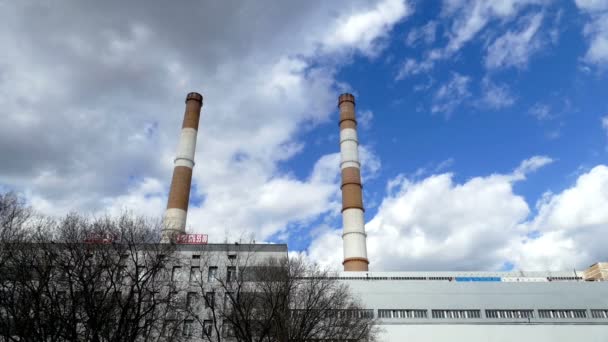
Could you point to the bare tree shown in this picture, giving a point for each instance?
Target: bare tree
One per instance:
(285, 299)
(78, 279)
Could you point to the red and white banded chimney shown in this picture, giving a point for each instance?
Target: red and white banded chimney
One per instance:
(353, 221)
(177, 206)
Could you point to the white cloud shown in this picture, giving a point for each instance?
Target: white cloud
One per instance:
(364, 118)
(495, 96)
(435, 223)
(362, 30)
(466, 19)
(103, 95)
(472, 16)
(425, 34)
(596, 30)
(482, 224)
(530, 165)
(514, 48)
(541, 112)
(452, 94)
(605, 123)
(592, 5)
(572, 226)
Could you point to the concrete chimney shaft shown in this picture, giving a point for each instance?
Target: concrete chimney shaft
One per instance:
(353, 221)
(177, 206)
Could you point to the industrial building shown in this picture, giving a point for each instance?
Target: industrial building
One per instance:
(432, 306)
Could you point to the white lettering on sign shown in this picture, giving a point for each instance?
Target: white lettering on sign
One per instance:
(191, 239)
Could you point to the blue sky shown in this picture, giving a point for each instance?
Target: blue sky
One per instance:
(483, 124)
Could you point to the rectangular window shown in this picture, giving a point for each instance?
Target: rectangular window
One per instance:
(209, 299)
(191, 299)
(175, 273)
(599, 313)
(231, 273)
(196, 256)
(207, 327)
(188, 326)
(212, 275)
(562, 313)
(195, 274)
(456, 314)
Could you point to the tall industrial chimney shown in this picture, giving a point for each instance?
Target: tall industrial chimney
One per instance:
(177, 206)
(353, 234)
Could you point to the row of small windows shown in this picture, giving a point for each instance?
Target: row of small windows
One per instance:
(195, 273)
(599, 313)
(495, 279)
(562, 313)
(456, 314)
(492, 314)
(188, 327)
(402, 313)
(510, 313)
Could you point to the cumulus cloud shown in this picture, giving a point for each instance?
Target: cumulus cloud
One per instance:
(514, 48)
(571, 224)
(363, 30)
(436, 223)
(91, 110)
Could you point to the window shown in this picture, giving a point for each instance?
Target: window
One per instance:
(402, 313)
(175, 273)
(212, 275)
(230, 273)
(188, 326)
(561, 313)
(231, 257)
(599, 313)
(458, 314)
(195, 273)
(209, 299)
(508, 314)
(196, 256)
(207, 326)
(190, 299)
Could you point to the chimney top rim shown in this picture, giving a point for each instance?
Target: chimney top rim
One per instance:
(346, 97)
(194, 96)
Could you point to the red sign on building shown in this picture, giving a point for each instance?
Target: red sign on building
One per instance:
(191, 239)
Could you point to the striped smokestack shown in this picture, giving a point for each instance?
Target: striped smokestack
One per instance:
(353, 235)
(177, 206)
